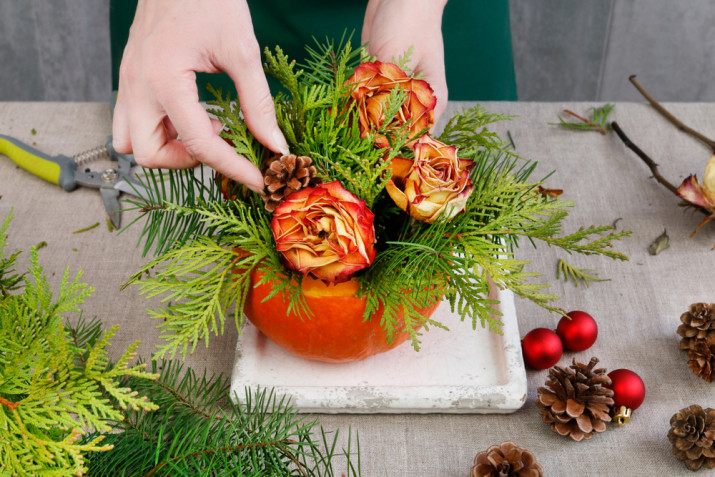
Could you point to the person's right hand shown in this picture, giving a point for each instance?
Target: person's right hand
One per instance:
(158, 116)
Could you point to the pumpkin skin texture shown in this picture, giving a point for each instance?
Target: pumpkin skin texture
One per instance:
(335, 333)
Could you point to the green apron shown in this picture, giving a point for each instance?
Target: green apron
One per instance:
(477, 40)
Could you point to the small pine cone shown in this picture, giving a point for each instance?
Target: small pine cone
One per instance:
(701, 358)
(697, 324)
(506, 460)
(692, 432)
(286, 175)
(576, 402)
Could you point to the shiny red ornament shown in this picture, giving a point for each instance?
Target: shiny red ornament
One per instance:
(542, 348)
(578, 331)
(628, 393)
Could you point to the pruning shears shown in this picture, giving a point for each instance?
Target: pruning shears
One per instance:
(67, 172)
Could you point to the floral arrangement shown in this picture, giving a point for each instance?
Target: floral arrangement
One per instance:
(368, 196)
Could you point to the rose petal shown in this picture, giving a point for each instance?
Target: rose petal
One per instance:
(691, 191)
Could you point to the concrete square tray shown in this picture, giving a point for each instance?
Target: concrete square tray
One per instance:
(460, 371)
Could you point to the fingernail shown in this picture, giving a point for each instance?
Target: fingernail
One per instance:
(255, 189)
(280, 141)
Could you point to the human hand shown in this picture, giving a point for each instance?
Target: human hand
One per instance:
(392, 26)
(158, 116)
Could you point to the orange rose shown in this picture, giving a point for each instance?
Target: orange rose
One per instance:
(373, 83)
(435, 183)
(324, 231)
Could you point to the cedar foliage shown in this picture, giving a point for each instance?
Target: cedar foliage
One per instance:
(193, 230)
(56, 381)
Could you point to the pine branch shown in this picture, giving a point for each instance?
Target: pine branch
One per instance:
(198, 431)
(598, 121)
(166, 227)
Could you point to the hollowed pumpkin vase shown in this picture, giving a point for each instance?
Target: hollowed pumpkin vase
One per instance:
(336, 331)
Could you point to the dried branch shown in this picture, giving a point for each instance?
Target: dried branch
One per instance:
(651, 164)
(669, 116)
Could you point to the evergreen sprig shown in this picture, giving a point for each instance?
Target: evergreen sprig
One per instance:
(56, 382)
(198, 431)
(597, 122)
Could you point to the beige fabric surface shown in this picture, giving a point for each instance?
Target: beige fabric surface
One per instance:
(637, 311)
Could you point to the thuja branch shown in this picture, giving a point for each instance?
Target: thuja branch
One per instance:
(650, 163)
(9, 404)
(669, 116)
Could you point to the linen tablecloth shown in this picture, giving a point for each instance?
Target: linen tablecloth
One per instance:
(638, 310)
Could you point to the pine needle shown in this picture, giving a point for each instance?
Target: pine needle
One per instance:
(597, 122)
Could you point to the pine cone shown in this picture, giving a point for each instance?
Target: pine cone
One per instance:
(286, 175)
(692, 432)
(697, 324)
(701, 358)
(506, 460)
(576, 403)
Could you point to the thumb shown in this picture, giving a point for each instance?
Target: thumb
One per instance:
(255, 99)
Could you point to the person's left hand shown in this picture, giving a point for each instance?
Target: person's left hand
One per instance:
(391, 27)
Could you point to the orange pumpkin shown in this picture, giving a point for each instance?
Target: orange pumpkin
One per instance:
(336, 332)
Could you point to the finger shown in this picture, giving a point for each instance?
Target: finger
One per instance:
(152, 143)
(121, 140)
(171, 131)
(198, 134)
(245, 69)
(217, 125)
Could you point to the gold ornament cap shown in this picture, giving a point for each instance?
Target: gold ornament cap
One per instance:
(622, 416)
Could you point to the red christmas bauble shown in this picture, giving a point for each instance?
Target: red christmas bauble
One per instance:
(542, 348)
(579, 332)
(628, 388)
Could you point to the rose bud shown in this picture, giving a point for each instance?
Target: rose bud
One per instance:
(324, 231)
(436, 182)
(702, 195)
(373, 83)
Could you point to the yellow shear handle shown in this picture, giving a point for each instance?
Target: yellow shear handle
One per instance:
(58, 170)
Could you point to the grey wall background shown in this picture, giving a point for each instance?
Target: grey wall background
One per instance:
(564, 50)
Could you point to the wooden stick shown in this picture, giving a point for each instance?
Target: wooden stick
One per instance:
(651, 164)
(669, 116)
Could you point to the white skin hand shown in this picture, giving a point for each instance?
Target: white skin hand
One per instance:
(392, 26)
(158, 98)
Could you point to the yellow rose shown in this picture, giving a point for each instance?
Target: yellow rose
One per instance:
(434, 184)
